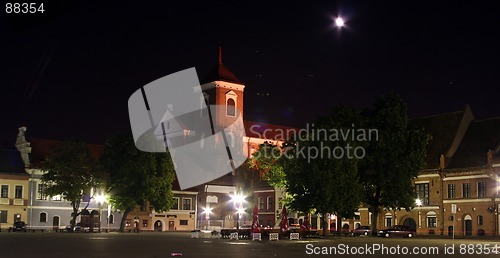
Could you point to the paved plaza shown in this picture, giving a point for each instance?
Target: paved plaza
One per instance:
(157, 244)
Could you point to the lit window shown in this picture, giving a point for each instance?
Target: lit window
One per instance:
(423, 193)
(56, 198)
(127, 223)
(145, 223)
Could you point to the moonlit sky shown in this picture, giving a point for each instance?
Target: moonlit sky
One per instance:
(69, 72)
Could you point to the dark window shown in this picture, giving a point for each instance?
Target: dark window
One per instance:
(19, 192)
(43, 217)
(270, 203)
(3, 216)
(183, 222)
(451, 191)
(145, 223)
(5, 191)
(481, 189)
(186, 203)
(388, 221)
(231, 107)
(111, 219)
(423, 193)
(480, 220)
(175, 204)
(466, 190)
(431, 222)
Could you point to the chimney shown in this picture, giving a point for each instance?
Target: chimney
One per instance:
(441, 163)
(489, 157)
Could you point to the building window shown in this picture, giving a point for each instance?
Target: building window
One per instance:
(480, 220)
(481, 189)
(186, 203)
(56, 197)
(423, 193)
(451, 191)
(183, 222)
(43, 217)
(230, 107)
(5, 191)
(40, 194)
(3, 216)
(111, 219)
(466, 190)
(127, 223)
(388, 219)
(280, 204)
(431, 219)
(145, 223)
(175, 205)
(261, 203)
(270, 203)
(431, 222)
(17, 217)
(18, 193)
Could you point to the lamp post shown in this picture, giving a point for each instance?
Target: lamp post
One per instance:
(419, 203)
(238, 200)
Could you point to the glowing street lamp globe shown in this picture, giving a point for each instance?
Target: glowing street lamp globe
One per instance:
(418, 202)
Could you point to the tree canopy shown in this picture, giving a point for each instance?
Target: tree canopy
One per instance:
(136, 177)
(72, 173)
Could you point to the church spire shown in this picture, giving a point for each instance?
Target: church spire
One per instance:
(220, 55)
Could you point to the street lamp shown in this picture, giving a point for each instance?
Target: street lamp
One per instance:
(238, 200)
(207, 211)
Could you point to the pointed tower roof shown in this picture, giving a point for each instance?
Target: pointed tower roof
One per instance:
(220, 73)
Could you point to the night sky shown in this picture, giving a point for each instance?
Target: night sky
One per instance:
(70, 71)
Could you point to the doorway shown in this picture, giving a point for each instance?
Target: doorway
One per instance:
(468, 225)
(409, 222)
(158, 225)
(55, 223)
(171, 226)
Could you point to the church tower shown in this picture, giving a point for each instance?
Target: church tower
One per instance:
(221, 87)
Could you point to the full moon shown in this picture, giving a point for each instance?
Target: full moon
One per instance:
(339, 22)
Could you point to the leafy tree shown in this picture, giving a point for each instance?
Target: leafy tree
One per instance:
(136, 177)
(394, 159)
(324, 179)
(267, 160)
(71, 172)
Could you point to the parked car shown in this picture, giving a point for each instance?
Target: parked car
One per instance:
(362, 231)
(19, 226)
(398, 230)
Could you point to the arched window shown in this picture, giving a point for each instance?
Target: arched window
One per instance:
(230, 107)
(43, 217)
(388, 219)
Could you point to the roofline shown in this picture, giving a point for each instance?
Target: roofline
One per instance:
(440, 114)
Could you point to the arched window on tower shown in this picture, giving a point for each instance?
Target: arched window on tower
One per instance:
(230, 107)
